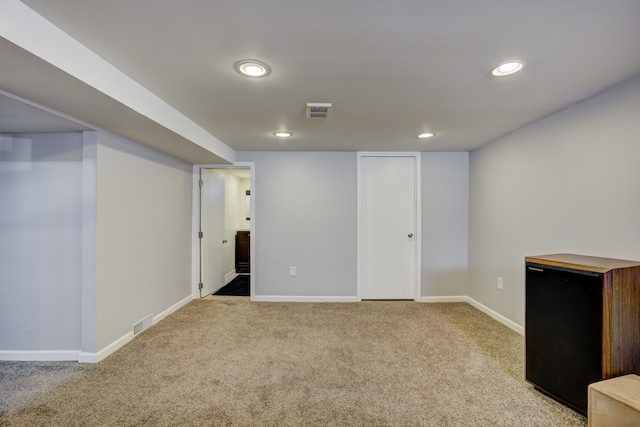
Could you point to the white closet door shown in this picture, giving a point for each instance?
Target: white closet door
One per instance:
(388, 227)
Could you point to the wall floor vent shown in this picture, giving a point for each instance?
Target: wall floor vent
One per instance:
(142, 325)
(318, 110)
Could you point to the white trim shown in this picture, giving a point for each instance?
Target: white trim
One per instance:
(175, 307)
(359, 244)
(39, 355)
(107, 351)
(89, 287)
(475, 304)
(418, 225)
(418, 215)
(230, 276)
(195, 228)
(85, 357)
(497, 316)
(195, 212)
(453, 298)
(287, 298)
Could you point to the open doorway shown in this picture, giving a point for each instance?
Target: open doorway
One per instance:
(224, 218)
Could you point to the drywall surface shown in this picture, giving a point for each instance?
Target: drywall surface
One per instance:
(40, 241)
(245, 224)
(305, 217)
(143, 234)
(567, 183)
(445, 208)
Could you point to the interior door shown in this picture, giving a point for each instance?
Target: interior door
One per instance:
(211, 231)
(388, 227)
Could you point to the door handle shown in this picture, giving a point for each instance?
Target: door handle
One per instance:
(410, 234)
(224, 241)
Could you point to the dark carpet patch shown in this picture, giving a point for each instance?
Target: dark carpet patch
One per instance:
(237, 287)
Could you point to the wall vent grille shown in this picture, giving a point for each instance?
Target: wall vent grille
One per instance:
(142, 325)
(318, 110)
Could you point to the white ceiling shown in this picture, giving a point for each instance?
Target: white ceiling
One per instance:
(392, 69)
(18, 115)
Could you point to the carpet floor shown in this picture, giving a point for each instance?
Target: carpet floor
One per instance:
(241, 363)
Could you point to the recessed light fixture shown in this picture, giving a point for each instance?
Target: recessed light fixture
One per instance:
(508, 68)
(426, 135)
(252, 68)
(283, 134)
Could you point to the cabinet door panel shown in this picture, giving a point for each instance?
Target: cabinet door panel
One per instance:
(563, 324)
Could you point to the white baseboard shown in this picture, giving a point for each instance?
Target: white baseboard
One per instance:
(447, 299)
(86, 357)
(454, 298)
(230, 276)
(499, 317)
(483, 308)
(283, 298)
(175, 307)
(126, 338)
(39, 355)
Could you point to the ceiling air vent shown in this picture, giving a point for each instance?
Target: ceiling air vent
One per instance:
(318, 110)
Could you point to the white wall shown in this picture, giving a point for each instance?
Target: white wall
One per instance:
(567, 183)
(95, 234)
(40, 242)
(445, 208)
(143, 234)
(245, 224)
(305, 217)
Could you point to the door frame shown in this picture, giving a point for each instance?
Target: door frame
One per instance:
(418, 219)
(195, 224)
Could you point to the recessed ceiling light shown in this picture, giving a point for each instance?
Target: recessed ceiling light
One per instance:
(252, 68)
(508, 68)
(426, 135)
(282, 134)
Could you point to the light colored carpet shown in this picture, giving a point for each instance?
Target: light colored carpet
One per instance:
(238, 363)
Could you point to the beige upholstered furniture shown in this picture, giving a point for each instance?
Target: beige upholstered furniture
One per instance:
(615, 402)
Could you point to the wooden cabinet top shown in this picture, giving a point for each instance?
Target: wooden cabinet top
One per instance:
(582, 262)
